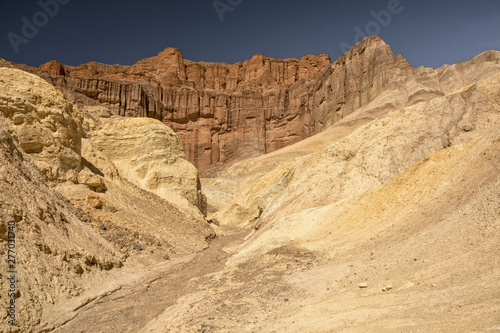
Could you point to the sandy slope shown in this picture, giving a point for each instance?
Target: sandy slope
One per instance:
(77, 243)
(430, 233)
(409, 202)
(407, 89)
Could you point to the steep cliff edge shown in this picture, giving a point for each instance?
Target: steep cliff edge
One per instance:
(223, 113)
(220, 112)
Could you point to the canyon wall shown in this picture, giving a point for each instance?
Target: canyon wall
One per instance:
(223, 113)
(220, 112)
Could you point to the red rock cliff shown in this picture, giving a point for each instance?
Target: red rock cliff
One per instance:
(220, 112)
(224, 112)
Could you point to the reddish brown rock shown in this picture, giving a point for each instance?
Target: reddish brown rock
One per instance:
(53, 68)
(222, 112)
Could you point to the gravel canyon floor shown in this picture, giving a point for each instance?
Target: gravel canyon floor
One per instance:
(360, 195)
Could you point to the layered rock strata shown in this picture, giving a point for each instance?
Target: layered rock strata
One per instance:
(223, 113)
(220, 112)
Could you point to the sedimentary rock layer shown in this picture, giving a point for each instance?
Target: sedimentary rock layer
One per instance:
(223, 113)
(220, 112)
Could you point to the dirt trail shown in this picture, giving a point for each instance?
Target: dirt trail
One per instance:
(131, 307)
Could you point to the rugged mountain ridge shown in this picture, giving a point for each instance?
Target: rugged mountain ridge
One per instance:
(223, 113)
(220, 112)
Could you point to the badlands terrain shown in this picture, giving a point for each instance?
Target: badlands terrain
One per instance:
(270, 195)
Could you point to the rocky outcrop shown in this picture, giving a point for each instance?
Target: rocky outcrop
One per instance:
(147, 153)
(57, 257)
(43, 121)
(53, 68)
(370, 80)
(223, 113)
(220, 112)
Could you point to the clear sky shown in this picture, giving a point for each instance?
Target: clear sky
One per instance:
(426, 32)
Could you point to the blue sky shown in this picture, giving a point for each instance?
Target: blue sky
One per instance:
(427, 33)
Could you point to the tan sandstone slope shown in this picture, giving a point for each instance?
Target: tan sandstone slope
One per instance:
(77, 216)
(392, 228)
(147, 153)
(57, 256)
